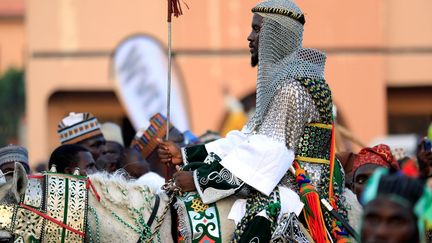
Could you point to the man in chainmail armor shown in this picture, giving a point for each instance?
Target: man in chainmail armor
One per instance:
(292, 122)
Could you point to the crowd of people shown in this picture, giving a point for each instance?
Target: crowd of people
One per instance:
(393, 191)
(283, 165)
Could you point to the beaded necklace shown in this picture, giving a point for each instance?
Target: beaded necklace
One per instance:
(136, 215)
(90, 238)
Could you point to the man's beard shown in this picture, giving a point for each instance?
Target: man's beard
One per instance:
(254, 60)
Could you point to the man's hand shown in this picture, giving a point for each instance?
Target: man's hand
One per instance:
(184, 180)
(169, 153)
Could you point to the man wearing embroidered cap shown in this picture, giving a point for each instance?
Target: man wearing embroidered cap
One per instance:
(293, 122)
(11, 154)
(83, 129)
(112, 133)
(111, 158)
(367, 161)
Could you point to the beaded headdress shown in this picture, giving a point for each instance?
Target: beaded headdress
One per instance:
(379, 155)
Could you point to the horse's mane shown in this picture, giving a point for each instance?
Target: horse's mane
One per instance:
(119, 190)
(117, 177)
(122, 203)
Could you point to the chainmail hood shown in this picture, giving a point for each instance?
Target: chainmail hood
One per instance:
(280, 53)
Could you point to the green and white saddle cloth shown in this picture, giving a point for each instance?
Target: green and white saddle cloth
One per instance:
(198, 222)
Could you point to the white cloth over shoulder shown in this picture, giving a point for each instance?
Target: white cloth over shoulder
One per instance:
(259, 161)
(223, 146)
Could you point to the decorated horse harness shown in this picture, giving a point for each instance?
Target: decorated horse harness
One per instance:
(54, 208)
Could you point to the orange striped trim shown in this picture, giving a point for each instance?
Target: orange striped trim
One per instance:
(83, 137)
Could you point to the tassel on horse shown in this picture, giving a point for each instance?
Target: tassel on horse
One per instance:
(338, 231)
(313, 213)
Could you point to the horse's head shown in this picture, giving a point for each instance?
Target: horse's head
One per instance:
(10, 194)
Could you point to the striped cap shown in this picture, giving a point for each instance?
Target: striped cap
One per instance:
(145, 141)
(78, 127)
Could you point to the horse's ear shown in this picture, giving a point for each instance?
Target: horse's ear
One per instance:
(19, 181)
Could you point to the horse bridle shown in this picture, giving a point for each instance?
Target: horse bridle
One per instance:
(152, 215)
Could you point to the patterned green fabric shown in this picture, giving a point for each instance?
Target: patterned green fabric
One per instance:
(338, 188)
(259, 230)
(212, 180)
(196, 153)
(338, 177)
(215, 176)
(315, 143)
(321, 95)
(257, 202)
(198, 220)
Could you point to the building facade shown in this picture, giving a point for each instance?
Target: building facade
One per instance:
(377, 50)
(12, 34)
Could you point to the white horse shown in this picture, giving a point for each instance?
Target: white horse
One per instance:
(118, 210)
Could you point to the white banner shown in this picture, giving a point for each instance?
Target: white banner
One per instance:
(140, 66)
